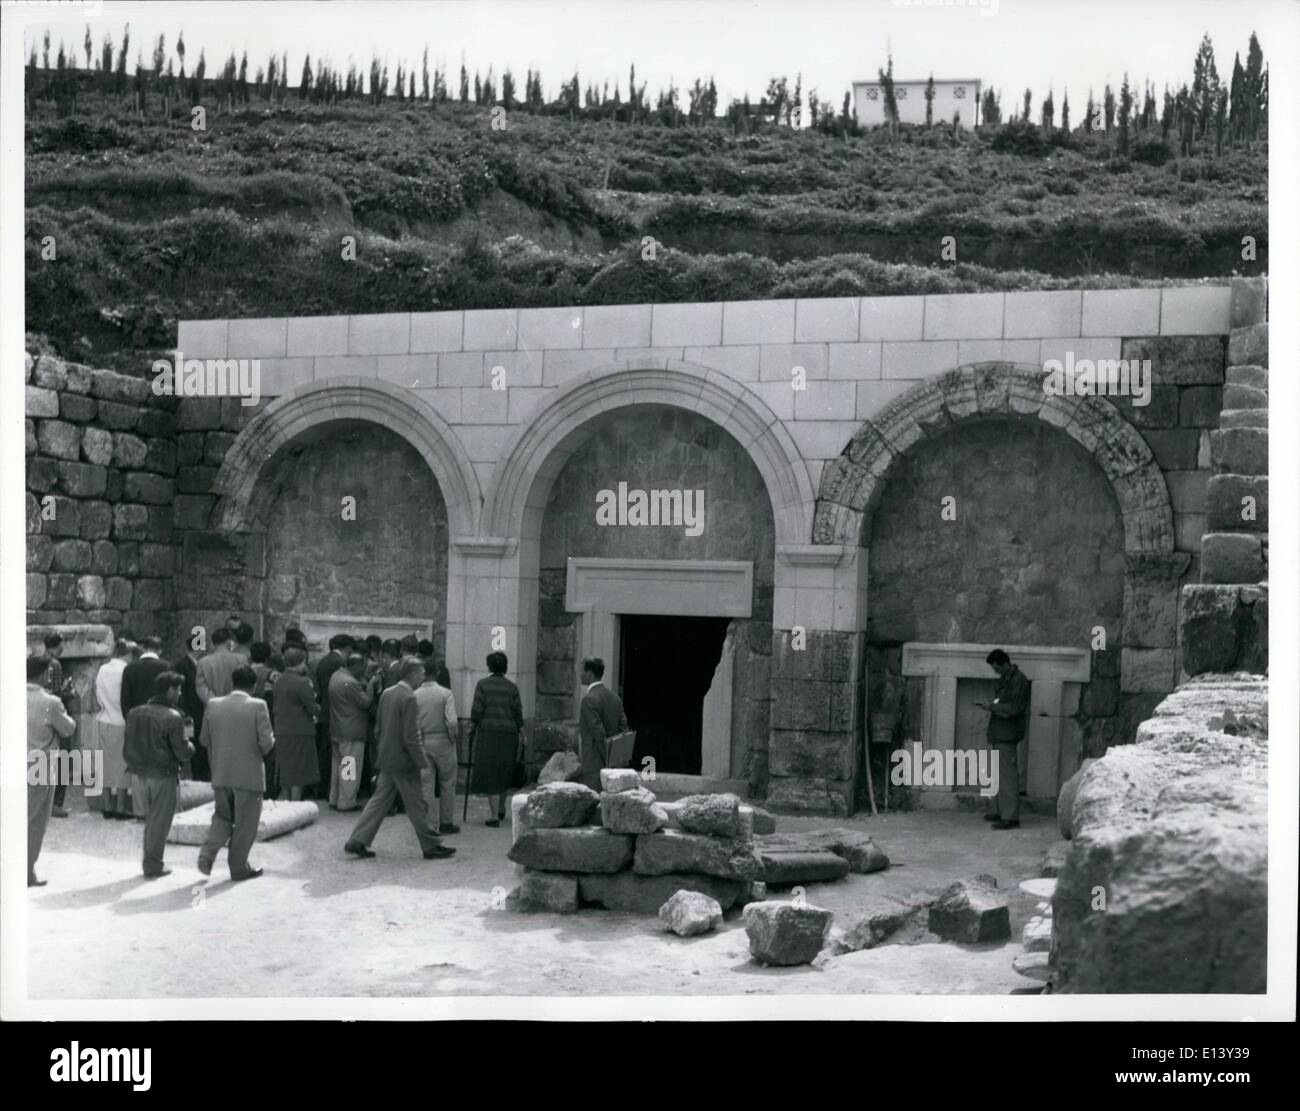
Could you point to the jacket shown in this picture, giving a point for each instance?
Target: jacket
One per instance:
(155, 739)
(600, 717)
(137, 681)
(213, 673)
(349, 702)
(296, 708)
(400, 752)
(1009, 713)
(237, 734)
(331, 662)
(47, 720)
(497, 707)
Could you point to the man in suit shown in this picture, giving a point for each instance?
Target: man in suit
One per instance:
(237, 734)
(155, 749)
(326, 666)
(349, 719)
(401, 758)
(600, 717)
(186, 665)
(138, 678)
(47, 721)
(213, 672)
(1008, 720)
(59, 685)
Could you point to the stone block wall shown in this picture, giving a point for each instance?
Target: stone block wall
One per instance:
(101, 485)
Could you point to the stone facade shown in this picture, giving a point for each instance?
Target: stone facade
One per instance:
(825, 396)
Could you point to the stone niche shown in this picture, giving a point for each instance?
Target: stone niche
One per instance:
(1050, 752)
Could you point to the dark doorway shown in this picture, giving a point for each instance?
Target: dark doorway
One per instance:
(666, 667)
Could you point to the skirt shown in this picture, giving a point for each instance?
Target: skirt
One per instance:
(494, 762)
(295, 759)
(109, 739)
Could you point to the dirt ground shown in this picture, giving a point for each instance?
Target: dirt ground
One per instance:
(320, 923)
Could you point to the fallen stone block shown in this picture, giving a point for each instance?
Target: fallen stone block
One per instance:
(866, 931)
(633, 811)
(190, 827)
(715, 815)
(764, 822)
(970, 912)
(193, 792)
(560, 768)
(556, 892)
(1034, 965)
(785, 934)
(587, 849)
(559, 806)
(619, 779)
(690, 913)
(785, 869)
(636, 894)
(674, 851)
(1065, 800)
(862, 853)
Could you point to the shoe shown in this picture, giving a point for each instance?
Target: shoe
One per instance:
(126, 817)
(1006, 825)
(438, 852)
(32, 881)
(993, 817)
(206, 869)
(251, 874)
(58, 812)
(448, 828)
(493, 822)
(108, 815)
(158, 875)
(356, 848)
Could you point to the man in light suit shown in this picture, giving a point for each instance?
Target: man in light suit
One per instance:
(349, 714)
(600, 717)
(213, 672)
(237, 734)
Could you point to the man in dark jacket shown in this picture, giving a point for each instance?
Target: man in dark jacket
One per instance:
(138, 678)
(600, 717)
(155, 749)
(401, 757)
(1008, 717)
(340, 646)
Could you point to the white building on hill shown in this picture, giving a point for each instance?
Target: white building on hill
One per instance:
(961, 96)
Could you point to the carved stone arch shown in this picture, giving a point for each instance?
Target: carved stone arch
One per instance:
(851, 485)
(347, 399)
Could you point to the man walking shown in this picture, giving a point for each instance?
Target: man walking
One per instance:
(1008, 715)
(237, 734)
(349, 702)
(439, 729)
(156, 748)
(400, 761)
(600, 717)
(47, 721)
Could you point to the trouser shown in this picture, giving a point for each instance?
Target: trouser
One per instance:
(159, 797)
(324, 760)
(346, 759)
(66, 744)
(39, 802)
(438, 779)
(1008, 781)
(234, 821)
(388, 787)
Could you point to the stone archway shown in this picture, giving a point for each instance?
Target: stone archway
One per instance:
(852, 486)
(347, 399)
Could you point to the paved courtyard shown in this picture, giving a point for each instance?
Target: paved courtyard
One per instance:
(320, 923)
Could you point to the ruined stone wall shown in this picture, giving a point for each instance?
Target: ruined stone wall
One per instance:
(659, 448)
(101, 467)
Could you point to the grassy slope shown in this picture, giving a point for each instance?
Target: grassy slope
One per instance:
(153, 223)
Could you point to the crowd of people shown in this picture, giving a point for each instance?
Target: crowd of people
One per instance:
(372, 720)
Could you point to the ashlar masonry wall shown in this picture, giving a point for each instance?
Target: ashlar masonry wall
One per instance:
(495, 400)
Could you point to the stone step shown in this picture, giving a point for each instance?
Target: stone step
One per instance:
(1248, 375)
(1231, 557)
(1237, 396)
(1243, 418)
(1236, 502)
(1249, 346)
(1239, 450)
(1033, 965)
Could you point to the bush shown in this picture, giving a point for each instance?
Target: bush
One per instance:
(1152, 151)
(1021, 138)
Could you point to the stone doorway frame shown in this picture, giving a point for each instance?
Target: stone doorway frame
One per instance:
(601, 590)
(1057, 675)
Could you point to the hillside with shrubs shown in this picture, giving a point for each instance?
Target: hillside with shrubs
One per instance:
(335, 197)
